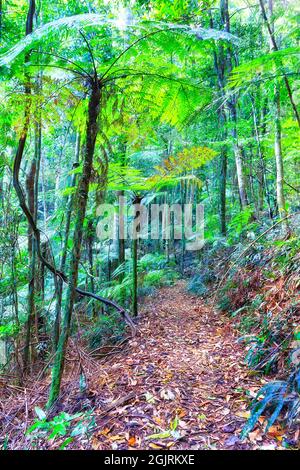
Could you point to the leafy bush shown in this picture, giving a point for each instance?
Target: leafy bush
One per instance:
(197, 286)
(107, 330)
(276, 398)
(159, 278)
(145, 291)
(153, 272)
(152, 261)
(59, 426)
(154, 278)
(9, 330)
(241, 223)
(262, 354)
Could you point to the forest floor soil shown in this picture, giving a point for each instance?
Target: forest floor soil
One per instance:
(180, 383)
(186, 380)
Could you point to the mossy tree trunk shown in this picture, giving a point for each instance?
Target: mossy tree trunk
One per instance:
(134, 249)
(70, 204)
(82, 197)
(30, 185)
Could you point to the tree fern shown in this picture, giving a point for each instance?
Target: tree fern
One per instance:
(268, 65)
(76, 22)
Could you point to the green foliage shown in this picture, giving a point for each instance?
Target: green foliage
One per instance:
(153, 271)
(268, 65)
(172, 111)
(108, 329)
(9, 331)
(262, 354)
(153, 261)
(60, 426)
(240, 223)
(199, 283)
(277, 398)
(224, 301)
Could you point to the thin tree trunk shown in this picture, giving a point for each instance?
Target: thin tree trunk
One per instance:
(274, 46)
(82, 197)
(63, 261)
(121, 243)
(279, 160)
(232, 105)
(223, 177)
(30, 184)
(280, 199)
(134, 249)
(134, 277)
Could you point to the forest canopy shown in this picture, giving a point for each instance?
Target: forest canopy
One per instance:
(146, 145)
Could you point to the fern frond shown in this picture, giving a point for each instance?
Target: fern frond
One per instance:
(274, 63)
(76, 22)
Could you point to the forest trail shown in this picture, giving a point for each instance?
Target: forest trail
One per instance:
(185, 361)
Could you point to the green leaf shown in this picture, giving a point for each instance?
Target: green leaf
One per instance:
(66, 443)
(162, 435)
(40, 413)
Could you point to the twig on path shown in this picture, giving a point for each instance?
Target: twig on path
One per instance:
(119, 402)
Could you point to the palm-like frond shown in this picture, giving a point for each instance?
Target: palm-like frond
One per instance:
(76, 22)
(268, 65)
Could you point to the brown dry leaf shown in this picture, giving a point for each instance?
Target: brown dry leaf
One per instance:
(105, 431)
(180, 412)
(170, 444)
(132, 441)
(255, 436)
(117, 437)
(96, 445)
(155, 446)
(275, 431)
(243, 414)
(203, 365)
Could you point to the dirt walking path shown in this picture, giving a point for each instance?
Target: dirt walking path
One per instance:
(181, 383)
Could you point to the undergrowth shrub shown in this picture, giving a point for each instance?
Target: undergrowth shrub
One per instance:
(199, 283)
(241, 223)
(279, 398)
(63, 425)
(262, 298)
(239, 290)
(108, 329)
(154, 271)
(197, 286)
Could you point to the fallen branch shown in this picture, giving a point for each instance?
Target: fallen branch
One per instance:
(119, 402)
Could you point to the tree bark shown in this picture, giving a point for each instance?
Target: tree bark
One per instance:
(63, 261)
(82, 197)
(274, 46)
(30, 184)
(279, 160)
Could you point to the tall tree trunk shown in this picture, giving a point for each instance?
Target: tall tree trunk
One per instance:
(70, 204)
(134, 276)
(134, 250)
(279, 160)
(277, 142)
(223, 177)
(30, 185)
(274, 47)
(232, 105)
(121, 241)
(82, 197)
(32, 265)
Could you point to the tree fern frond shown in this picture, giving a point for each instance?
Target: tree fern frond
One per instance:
(274, 62)
(86, 20)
